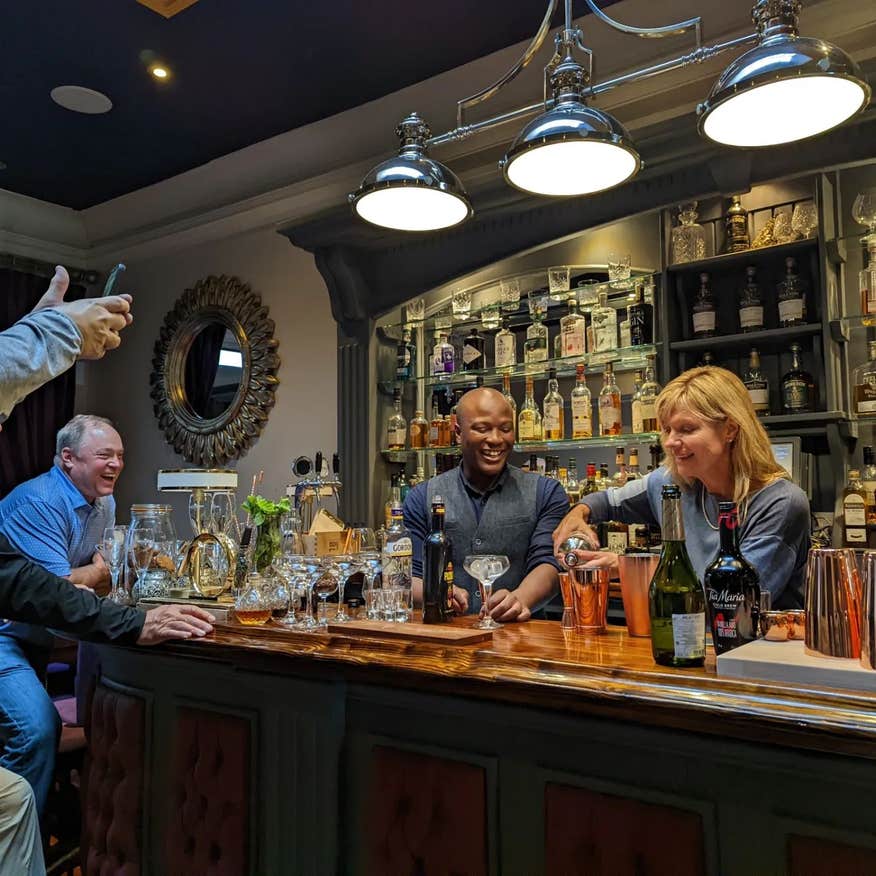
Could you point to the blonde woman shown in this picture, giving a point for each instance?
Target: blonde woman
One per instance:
(716, 449)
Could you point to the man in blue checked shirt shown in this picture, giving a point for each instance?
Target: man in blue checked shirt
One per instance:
(56, 520)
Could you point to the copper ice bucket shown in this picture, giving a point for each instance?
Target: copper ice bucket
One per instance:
(833, 603)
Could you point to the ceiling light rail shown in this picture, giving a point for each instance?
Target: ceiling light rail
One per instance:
(785, 88)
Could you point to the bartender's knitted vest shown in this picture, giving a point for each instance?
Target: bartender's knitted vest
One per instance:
(506, 526)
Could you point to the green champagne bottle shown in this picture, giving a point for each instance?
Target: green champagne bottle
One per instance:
(676, 598)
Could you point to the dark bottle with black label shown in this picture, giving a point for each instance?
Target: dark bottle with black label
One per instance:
(732, 588)
(641, 316)
(473, 351)
(436, 550)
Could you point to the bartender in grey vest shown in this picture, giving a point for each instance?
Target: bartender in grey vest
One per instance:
(491, 508)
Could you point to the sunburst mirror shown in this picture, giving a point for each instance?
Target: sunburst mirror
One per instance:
(214, 371)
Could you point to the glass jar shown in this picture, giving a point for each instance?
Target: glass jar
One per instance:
(688, 238)
(160, 573)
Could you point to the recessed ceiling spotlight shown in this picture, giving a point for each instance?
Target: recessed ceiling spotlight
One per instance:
(160, 72)
(78, 99)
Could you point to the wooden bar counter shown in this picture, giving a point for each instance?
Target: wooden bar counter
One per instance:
(262, 751)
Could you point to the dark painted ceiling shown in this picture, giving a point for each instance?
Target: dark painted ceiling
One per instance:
(244, 70)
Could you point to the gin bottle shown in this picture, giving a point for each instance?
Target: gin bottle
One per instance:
(535, 348)
(641, 319)
(582, 407)
(573, 327)
(506, 347)
(473, 351)
(604, 319)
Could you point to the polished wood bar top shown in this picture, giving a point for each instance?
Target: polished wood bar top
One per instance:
(612, 676)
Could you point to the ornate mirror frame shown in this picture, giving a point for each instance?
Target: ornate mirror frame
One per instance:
(212, 442)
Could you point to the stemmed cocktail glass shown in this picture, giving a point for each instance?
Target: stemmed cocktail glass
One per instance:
(112, 549)
(486, 568)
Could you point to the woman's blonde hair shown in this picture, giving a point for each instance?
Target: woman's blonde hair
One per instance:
(719, 396)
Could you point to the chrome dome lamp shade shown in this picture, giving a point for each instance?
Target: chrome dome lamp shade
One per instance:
(786, 88)
(571, 149)
(411, 192)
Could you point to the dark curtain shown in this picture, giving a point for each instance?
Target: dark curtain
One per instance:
(27, 442)
(202, 363)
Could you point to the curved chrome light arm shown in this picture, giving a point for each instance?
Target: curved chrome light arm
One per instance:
(523, 61)
(650, 33)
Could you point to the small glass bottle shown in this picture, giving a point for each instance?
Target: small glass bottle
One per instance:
(792, 297)
(604, 319)
(757, 385)
(750, 303)
(506, 391)
(609, 404)
(633, 473)
(582, 406)
(473, 351)
(798, 387)
(854, 512)
(648, 396)
(736, 227)
(640, 315)
(419, 431)
(864, 385)
(529, 423)
(704, 318)
(688, 237)
(554, 416)
(436, 427)
(396, 425)
(573, 331)
(443, 356)
(619, 478)
(505, 347)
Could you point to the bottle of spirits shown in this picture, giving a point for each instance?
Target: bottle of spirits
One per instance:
(732, 588)
(616, 536)
(473, 351)
(750, 303)
(443, 356)
(535, 348)
(552, 467)
(435, 553)
(641, 319)
(623, 330)
(707, 359)
(604, 481)
(704, 320)
(529, 424)
(591, 484)
(506, 347)
(609, 404)
(506, 391)
(573, 331)
(444, 431)
(396, 425)
(396, 558)
(757, 385)
(854, 512)
(393, 499)
(573, 485)
(419, 431)
(554, 415)
(457, 395)
(633, 473)
(688, 237)
(648, 397)
(656, 453)
(868, 479)
(867, 276)
(792, 297)
(864, 385)
(798, 387)
(582, 407)
(604, 319)
(736, 227)
(404, 357)
(619, 478)
(532, 465)
(636, 403)
(436, 428)
(676, 599)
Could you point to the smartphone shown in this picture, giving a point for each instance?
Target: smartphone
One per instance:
(111, 280)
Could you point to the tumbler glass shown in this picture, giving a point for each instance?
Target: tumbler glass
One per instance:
(509, 295)
(461, 304)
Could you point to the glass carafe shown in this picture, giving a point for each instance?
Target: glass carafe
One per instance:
(159, 575)
(252, 607)
(688, 237)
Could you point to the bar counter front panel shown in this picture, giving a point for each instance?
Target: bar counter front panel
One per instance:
(267, 752)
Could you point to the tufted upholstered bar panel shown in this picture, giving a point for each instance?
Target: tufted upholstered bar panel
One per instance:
(210, 796)
(426, 815)
(112, 791)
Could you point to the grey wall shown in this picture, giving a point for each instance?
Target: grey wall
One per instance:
(304, 418)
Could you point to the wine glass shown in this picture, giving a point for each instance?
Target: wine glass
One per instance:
(864, 209)
(112, 549)
(325, 584)
(804, 219)
(369, 564)
(345, 565)
(486, 568)
(141, 549)
(363, 539)
(782, 227)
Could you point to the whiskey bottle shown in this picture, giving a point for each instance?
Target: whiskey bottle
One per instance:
(591, 484)
(641, 319)
(529, 423)
(633, 473)
(636, 403)
(867, 276)
(854, 512)
(750, 303)
(473, 351)
(604, 319)
(396, 425)
(648, 397)
(757, 385)
(792, 297)
(419, 431)
(609, 404)
(736, 227)
(582, 407)
(573, 331)
(554, 416)
(619, 478)
(798, 387)
(404, 357)
(506, 347)
(506, 391)
(704, 322)
(864, 385)
(573, 486)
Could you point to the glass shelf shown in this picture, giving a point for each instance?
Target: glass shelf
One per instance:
(623, 359)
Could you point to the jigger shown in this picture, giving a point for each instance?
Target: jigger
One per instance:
(833, 603)
(868, 611)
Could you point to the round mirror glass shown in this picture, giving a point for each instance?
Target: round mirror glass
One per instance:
(213, 370)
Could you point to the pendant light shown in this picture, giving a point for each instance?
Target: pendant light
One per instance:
(786, 88)
(411, 192)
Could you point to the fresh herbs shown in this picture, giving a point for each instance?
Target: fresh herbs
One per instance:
(265, 516)
(260, 508)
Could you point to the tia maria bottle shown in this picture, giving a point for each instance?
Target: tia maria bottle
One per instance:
(732, 588)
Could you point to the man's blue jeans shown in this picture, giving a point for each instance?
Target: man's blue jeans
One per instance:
(29, 723)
